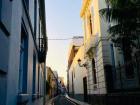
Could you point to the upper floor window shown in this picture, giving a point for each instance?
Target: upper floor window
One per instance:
(34, 74)
(128, 60)
(129, 69)
(90, 24)
(23, 70)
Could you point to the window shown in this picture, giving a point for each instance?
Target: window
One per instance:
(128, 62)
(34, 73)
(94, 72)
(112, 55)
(129, 70)
(72, 83)
(39, 79)
(90, 24)
(23, 62)
(113, 60)
(74, 73)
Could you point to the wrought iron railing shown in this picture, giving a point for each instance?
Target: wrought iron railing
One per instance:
(118, 79)
(42, 49)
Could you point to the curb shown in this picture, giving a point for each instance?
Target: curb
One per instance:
(50, 102)
(72, 101)
(76, 102)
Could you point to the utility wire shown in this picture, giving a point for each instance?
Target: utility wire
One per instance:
(61, 36)
(61, 39)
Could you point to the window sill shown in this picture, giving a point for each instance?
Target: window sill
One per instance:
(34, 96)
(23, 98)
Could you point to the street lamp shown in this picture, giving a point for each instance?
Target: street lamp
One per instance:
(81, 65)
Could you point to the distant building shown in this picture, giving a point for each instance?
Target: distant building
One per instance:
(76, 74)
(23, 49)
(61, 80)
(61, 85)
(52, 78)
(107, 72)
(97, 50)
(55, 73)
(97, 69)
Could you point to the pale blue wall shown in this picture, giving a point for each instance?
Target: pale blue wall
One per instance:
(14, 49)
(13, 15)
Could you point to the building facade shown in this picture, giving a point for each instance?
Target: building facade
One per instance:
(23, 49)
(76, 74)
(52, 78)
(107, 75)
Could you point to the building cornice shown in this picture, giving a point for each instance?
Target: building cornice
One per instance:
(85, 4)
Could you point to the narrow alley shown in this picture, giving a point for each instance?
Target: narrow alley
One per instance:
(61, 100)
(65, 100)
(69, 52)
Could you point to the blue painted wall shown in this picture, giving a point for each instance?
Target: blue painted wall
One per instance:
(13, 16)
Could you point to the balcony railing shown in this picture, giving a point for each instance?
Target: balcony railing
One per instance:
(42, 49)
(91, 43)
(123, 77)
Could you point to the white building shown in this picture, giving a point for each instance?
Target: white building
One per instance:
(105, 62)
(23, 48)
(97, 51)
(76, 74)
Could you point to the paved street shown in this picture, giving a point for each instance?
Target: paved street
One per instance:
(61, 100)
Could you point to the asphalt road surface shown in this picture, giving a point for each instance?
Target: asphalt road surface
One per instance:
(61, 100)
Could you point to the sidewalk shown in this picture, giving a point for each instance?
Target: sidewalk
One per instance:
(50, 101)
(76, 101)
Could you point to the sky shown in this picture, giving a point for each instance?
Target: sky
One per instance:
(62, 21)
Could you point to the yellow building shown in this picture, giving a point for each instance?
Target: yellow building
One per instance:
(52, 80)
(96, 47)
(61, 80)
(102, 57)
(88, 67)
(96, 44)
(76, 74)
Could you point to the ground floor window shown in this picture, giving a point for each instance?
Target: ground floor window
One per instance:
(23, 62)
(34, 73)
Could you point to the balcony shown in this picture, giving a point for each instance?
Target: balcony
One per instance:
(42, 49)
(91, 43)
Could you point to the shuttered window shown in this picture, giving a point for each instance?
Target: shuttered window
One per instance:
(23, 69)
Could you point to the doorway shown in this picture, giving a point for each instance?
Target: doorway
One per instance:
(85, 89)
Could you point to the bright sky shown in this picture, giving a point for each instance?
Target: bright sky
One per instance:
(63, 21)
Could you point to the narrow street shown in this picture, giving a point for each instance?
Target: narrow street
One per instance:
(69, 52)
(61, 100)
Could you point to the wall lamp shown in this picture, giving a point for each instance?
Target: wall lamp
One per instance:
(81, 65)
